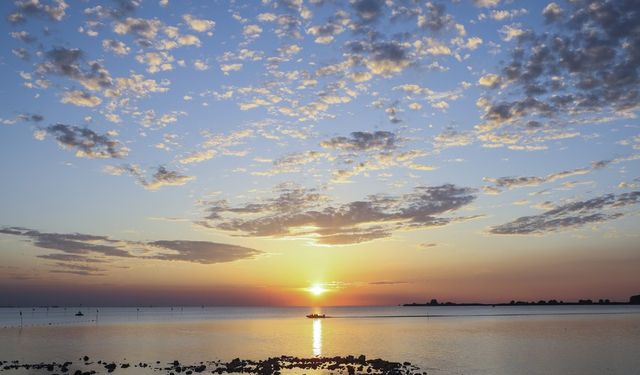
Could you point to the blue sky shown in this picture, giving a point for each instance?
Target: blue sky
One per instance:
(199, 138)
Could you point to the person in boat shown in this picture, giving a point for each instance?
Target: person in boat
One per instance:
(316, 316)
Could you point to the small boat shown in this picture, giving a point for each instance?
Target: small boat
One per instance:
(79, 313)
(316, 316)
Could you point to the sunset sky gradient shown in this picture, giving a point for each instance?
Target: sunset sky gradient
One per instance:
(238, 153)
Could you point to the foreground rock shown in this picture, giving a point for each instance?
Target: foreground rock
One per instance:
(348, 365)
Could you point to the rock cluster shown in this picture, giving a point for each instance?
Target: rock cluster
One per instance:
(347, 365)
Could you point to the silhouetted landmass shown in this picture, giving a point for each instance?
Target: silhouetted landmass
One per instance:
(633, 300)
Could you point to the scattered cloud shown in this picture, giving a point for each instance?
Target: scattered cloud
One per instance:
(198, 24)
(86, 142)
(51, 10)
(197, 157)
(115, 46)
(363, 141)
(582, 64)
(160, 178)
(80, 98)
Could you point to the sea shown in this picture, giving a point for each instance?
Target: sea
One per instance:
(441, 340)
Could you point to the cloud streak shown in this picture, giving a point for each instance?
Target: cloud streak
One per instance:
(88, 254)
(571, 215)
(296, 212)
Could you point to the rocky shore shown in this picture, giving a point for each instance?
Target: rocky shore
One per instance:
(348, 365)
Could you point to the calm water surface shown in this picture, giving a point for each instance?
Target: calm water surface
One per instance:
(580, 340)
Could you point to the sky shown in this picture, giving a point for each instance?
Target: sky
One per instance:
(252, 152)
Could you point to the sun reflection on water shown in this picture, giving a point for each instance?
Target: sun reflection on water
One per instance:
(317, 337)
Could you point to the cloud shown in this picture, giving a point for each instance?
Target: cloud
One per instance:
(21, 53)
(200, 65)
(121, 8)
(156, 61)
(65, 257)
(292, 163)
(325, 33)
(363, 152)
(437, 99)
(388, 58)
(297, 212)
(27, 117)
(53, 10)
(522, 181)
(226, 68)
(189, 40)
(552, 12)
(363, 141)
(436, 18)
(88, 144)
(69, 62)
(80, 253)
(160, 178)
(74, 244)
(452, 138)
(138, 86)
(427, 245)
(78, 269)
(502, 14)
(368, 10)
(571, 215)
(115, 46)
(23, 36)
(510, 32)
(486, 3)
(197, 24)
(80, 99)
(197, 157)
(145, 29)
(387, 282)
(512, 182)
(252, 31)
(202, 252)
(489, 80)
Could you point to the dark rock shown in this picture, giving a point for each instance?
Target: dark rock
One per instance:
(110, 367)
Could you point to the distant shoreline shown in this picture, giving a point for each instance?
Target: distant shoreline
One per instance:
(447, 304)
(633, 300)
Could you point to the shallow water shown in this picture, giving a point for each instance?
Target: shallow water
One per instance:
(441, 340)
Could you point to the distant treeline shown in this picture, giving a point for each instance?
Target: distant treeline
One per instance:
(633, 300)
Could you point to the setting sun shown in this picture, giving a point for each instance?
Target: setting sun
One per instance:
(316, 289)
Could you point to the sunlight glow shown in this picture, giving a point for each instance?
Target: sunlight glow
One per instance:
(316, 289)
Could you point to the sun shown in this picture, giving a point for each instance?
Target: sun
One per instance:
(316, 289)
